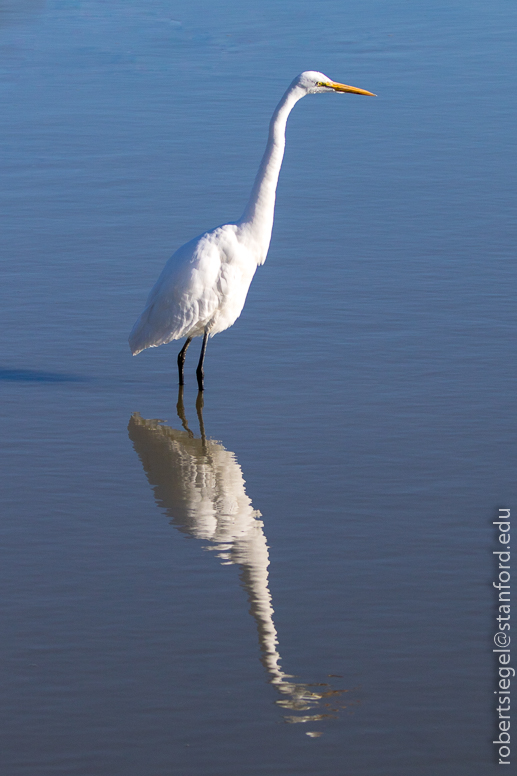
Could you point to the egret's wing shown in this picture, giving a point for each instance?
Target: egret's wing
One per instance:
(184, 298)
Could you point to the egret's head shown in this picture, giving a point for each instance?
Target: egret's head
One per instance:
(313, 82)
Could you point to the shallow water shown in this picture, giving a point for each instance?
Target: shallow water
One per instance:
(315, 556)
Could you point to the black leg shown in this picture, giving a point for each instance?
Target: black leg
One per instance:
(181, 358)
(199, 371)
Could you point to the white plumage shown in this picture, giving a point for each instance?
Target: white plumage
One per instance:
(202, 288)
(203, 284)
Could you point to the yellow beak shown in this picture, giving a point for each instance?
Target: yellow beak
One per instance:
(351, 89)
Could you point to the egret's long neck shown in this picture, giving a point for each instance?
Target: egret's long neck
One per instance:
(260, 210)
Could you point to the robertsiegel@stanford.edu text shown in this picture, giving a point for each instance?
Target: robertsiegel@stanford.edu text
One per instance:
(502, 637)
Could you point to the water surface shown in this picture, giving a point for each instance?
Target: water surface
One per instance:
(363, 404)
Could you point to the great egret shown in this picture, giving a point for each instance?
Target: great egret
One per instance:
(202, 288)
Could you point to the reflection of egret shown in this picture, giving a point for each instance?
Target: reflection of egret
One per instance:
(203, 286)
(200, 486)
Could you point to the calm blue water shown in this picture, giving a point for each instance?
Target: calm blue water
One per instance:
(316, 558)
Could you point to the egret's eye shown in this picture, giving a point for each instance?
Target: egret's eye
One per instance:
(322, 83)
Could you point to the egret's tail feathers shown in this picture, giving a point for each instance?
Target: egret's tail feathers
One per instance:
(140, 337)
(147, 334)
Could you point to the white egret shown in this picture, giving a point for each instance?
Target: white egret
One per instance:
(202, 288)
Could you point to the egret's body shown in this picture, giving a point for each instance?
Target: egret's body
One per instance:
(202, 288)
